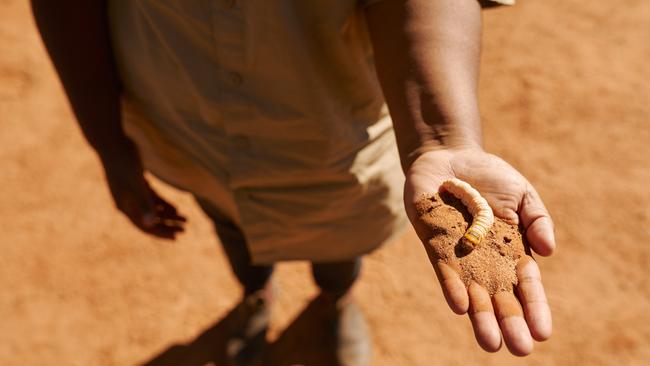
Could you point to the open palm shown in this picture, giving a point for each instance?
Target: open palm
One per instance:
(513, 199)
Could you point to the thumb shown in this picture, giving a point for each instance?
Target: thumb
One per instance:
(149, 219)
(137, 204)
(537, 222)
(147, 210)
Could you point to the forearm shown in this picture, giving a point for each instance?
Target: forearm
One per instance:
(427, 57)
(76, 35)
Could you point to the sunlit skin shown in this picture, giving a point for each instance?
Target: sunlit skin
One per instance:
(427, 56)
(525, 315)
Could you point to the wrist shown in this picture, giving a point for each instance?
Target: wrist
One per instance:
(118, 153)
(409, 155)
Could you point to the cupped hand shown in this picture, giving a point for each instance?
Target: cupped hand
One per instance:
(134, 197)
(519, 318)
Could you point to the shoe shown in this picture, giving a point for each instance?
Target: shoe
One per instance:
(349, 332)
(247, 344)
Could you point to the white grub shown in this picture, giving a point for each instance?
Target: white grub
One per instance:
(483, 218)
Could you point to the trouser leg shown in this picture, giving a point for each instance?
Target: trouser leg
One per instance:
(344, 323)
(252, 277)
(336, 278)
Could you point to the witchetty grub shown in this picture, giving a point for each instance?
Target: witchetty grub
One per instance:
(483, 218)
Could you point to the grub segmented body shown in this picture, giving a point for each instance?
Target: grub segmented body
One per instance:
(483, 218)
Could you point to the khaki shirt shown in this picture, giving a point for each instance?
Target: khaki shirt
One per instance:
(271, 111)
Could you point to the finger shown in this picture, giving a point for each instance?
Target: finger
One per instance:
(537, 223)
(149, 219)
(147, 210)
(453, 288)
(513, 326)
(486, 327)
(168, 211)
(531, 294)
(150, 222)
(165, 231)
(139, 211)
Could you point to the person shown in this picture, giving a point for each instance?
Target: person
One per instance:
(288, 121)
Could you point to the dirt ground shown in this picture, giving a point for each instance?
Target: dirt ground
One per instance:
(565, 96)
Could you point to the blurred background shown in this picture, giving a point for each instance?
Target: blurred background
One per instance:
(565, 96)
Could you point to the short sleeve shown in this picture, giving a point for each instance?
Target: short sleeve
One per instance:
(483, 2)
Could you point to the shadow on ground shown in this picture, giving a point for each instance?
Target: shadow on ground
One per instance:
(302, 343)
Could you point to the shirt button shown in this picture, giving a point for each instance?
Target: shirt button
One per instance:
(235, 78)
(241, 142)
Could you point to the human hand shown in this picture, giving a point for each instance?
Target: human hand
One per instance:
(514, 200)
(135, 198)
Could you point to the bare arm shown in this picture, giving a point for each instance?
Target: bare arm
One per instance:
(427, 56)
(76, 35)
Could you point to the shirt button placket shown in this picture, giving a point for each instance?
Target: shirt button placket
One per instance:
(229, 28)
(241, 142)
(235, 78)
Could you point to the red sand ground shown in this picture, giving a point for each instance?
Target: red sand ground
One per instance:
(565, 98)
(492, 263)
